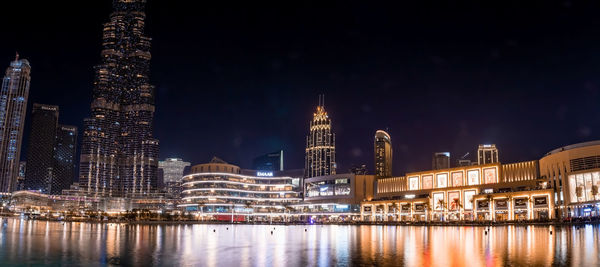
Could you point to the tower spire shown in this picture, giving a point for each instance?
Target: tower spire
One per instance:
(16, 55)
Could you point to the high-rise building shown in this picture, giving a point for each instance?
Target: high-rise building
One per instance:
(383, 154)
(172, 172)
(13, 105)
(65, 151)
(440, 160)
(40, 149)
(119, 155)
(269, 162)
(320, 144)
(487, 153)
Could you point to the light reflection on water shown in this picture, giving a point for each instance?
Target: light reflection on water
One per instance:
(26, 242)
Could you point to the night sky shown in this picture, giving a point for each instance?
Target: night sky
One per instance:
(237, 80)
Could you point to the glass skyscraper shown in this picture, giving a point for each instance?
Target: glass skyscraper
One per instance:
(119, 155)
(320, 145)
(13, 105)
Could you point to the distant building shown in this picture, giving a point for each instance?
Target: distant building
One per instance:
(21, 177)
(440, 160)
(172, 173)
(487, 154)
(269, 162)
(359, 170)
(13, 106)
(51, 152)
(464, 162)
(383, 154)
(320, 145)
(40, 149)
(65, 151)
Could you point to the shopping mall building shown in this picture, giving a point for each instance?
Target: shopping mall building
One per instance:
(562, 184)
(222, 191)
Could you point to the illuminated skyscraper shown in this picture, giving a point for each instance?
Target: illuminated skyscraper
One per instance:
(487, 153)
(320, 144)
(13, 105)
(119, 153)
(383, 154)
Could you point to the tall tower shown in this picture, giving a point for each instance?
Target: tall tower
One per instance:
(119, 156)
(383, 154)
(40, 151)
(320, 144)
(13, 105)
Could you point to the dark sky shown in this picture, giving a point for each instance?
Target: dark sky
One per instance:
(240, 79)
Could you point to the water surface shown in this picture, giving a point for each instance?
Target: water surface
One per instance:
(28, 242)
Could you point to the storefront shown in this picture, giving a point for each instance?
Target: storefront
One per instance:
(501, 210)
(483, 210)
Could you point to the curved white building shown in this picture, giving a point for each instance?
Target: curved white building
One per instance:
(218, 188)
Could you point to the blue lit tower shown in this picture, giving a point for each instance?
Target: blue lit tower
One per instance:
(119, 156)
(13, 105)
(320, 144)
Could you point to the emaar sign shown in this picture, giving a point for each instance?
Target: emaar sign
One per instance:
(264, 174)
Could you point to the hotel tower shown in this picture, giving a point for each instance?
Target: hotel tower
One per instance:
(383, 154)
(320, 144)
(119, 155)
(13, 105)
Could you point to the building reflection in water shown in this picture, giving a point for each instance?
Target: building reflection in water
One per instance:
(26, 242)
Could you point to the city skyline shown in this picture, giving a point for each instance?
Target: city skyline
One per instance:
(277, 95)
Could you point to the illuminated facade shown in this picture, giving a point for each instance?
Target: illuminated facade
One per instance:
(383, 154)
(13, 106)
(220, 189)
(489, 192)
(119, 153)
(574, 173)
(320, 145)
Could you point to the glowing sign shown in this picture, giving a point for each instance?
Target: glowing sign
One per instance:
(427, 181)
(473, 176)
(413, 183)
(438, 201)
(457, 179)
(441, 180)
(454, 199)
(489, 175)
(264, 174)
(468, 204)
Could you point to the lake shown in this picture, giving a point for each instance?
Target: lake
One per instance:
(30, 242)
